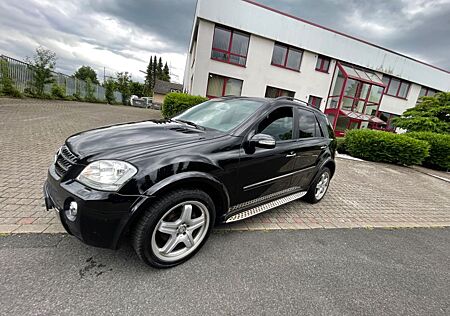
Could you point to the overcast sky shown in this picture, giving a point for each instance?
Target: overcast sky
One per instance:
(121, 35)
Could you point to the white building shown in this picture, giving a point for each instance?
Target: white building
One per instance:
(241, 47)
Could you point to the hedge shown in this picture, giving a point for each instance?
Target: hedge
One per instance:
(385, 147)
(176, 102)
(341, 145)
(439, 157)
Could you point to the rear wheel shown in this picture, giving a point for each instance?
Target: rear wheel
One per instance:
(174, 228)
(319, 187)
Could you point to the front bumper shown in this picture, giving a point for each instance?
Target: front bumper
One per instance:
(101, 215)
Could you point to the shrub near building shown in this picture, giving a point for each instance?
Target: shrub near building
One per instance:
(386, 147)
(176, 102)
(439, 157)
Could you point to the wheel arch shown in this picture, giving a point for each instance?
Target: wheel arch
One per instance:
(187, 180)
(330, 164)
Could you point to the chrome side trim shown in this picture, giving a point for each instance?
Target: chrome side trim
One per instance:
(265, 207)
(250, 186)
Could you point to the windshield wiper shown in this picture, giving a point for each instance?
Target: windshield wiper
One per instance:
(190, 123)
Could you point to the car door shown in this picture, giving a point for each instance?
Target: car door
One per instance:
(311, 143)
(268, 171)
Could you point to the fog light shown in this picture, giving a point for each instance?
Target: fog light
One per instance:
(71, 213)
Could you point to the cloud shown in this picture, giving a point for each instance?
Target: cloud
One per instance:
(122, 35)
(114, 35)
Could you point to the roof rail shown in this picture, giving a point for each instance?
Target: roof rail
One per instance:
(285, 97)
(228, 96)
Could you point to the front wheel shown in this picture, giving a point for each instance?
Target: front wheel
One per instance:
(174, 228)
(319, 187)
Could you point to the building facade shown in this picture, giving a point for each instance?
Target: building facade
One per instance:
(162, 88)
(240, 47)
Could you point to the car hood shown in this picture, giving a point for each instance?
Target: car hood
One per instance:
(131, 139)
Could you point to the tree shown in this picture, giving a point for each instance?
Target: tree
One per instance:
(166, 73)
(123, 82)
(137, 88)
(431, 114)
(155, 65)
(110, 87)
(42, 65)
(149, 78)
(90, 97)
(159, 69)
(85, 72)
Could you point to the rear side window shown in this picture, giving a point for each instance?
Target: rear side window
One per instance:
(307, 125)
(325, 126)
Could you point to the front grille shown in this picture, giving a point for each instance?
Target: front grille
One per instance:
(64, 161)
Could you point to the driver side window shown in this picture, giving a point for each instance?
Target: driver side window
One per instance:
(279, 124)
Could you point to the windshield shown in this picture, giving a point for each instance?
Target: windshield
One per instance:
(219, 114)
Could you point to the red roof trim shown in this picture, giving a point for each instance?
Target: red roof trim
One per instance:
(340, 33)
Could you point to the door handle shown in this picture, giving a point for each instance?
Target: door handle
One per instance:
(291, 154)
(323, 147)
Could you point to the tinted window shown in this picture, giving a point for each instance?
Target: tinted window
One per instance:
(278, 124)
(307, 124)
(325, 127)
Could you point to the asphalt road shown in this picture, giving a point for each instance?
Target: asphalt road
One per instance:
(327, 272)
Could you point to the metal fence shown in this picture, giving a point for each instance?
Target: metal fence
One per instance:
(22, 76)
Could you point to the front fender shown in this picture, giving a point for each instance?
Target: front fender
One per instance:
(188, 179)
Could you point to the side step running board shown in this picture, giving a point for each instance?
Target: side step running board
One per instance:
(265, 207)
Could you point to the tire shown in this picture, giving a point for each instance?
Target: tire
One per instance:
(162, 236)
(312, 196)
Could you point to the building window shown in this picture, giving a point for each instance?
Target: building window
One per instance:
(287, 57)
(230, 46)
(219, 86)
(396, 87)
(323, 63)
(314, 101)
(272, 92)
(387, 117)
(427, 92)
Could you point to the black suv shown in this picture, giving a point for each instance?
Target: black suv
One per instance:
(167, 182)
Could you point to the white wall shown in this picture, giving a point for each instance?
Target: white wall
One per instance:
(398, 106)
(258, 73)
(272, 25)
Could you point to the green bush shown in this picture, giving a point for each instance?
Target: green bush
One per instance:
(77, 97)
(58, 91)
(6, 83)
(70, 98)
(176, 102)
(385, 147)
(439, 157)
(341, 145)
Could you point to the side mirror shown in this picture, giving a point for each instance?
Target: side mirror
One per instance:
(263, 141)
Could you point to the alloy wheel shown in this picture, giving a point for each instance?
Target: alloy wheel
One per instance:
(180, 231)
(322, 185)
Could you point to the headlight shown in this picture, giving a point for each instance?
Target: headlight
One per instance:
(107, 175)
(57, 154)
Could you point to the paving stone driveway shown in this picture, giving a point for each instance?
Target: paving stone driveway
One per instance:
(362, 194)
